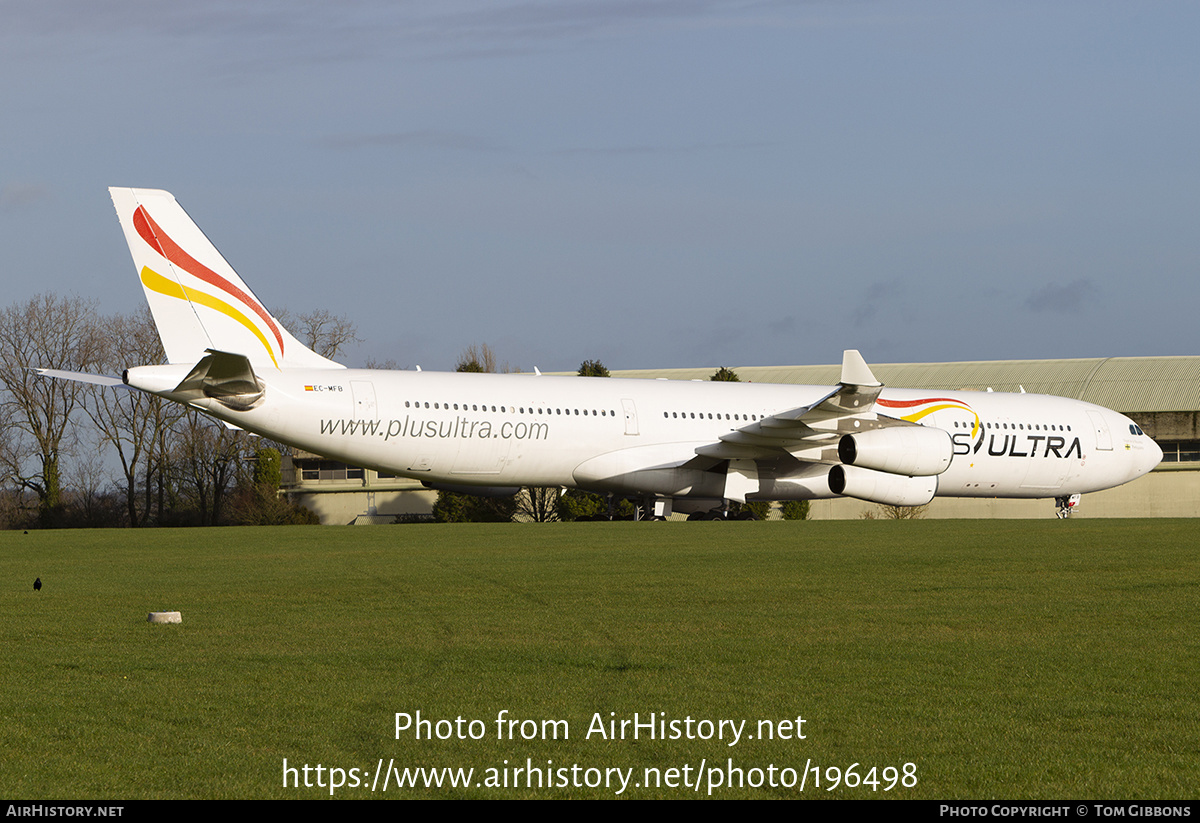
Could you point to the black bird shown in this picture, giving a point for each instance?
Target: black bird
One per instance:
(37, 585)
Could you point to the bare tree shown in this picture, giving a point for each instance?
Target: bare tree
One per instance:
(883, 511)
(209, 461)
(160, 484)
(133, 422)
(538, 503)
(35, 413)
(89, 501)
(386, 365)
(477, 357)
(321, 330)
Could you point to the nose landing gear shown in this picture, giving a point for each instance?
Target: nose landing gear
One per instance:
(1066, 505)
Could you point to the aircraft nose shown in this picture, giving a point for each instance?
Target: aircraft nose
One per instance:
(1141, 452)
(1145, 452)
(1153, 456)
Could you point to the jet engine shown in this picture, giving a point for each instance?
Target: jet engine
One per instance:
(909, 450)
(896, 466)
(881, 487)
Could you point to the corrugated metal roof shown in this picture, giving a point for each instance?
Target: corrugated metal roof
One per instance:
(1126, 384)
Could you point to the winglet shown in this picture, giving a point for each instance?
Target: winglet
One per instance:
(855, 371)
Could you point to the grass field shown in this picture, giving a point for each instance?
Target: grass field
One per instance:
(1013, 659)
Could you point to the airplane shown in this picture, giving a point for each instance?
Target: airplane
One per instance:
(673, 446)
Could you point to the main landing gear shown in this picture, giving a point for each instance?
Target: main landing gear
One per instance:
(722, 513)
(660, 508)
(652, 508)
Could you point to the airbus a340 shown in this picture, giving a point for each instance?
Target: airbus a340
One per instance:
(673, 445)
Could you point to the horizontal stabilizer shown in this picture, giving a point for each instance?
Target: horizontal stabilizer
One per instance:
(83, 377)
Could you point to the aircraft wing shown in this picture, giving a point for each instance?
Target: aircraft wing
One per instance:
(812, 432)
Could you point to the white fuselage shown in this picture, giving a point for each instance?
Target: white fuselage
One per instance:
(632, 436)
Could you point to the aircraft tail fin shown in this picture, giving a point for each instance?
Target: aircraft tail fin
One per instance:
(198, 301)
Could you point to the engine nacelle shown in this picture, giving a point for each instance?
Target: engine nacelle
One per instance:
(881, 487)
(910, 450)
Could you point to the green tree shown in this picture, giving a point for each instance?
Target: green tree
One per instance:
(453, 507)
(724, 375)
(268, 468)
(592, 368)
(259, 502)
(577, 504)
(760, 508)
(795, 509)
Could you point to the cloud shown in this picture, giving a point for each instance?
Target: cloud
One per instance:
(880, 294)
(783, 326)
(663, 149)
(551, 20)
(424, 138)
(16, 196)
(1063, 298)
(283, 33)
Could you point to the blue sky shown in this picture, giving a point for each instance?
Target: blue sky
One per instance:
(650, 184)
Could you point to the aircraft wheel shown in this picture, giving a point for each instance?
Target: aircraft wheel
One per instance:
(747, 516)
